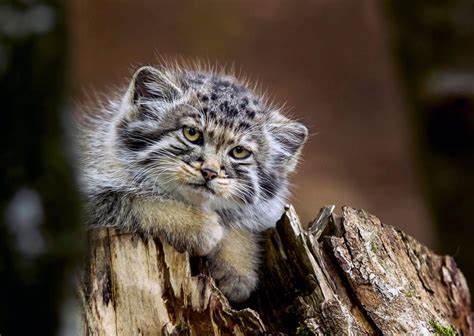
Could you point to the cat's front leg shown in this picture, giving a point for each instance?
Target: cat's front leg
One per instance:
(204, 235)
(186, 228)
(234, 265)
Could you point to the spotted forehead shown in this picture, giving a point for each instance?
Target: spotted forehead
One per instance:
(231, 111)
(223, 98)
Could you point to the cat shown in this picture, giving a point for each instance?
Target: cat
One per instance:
(195, 157)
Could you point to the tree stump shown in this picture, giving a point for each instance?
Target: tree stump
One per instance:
(348, 275)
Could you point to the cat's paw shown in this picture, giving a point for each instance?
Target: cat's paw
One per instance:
(209, 237)
(236, 287)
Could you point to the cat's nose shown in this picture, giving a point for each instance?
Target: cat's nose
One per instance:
(208, 174)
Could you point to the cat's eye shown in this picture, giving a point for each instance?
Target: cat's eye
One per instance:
(240, 153)
(192, 134)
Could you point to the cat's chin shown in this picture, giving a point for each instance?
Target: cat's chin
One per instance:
(195, 194)
(203, 188)
(203, 195)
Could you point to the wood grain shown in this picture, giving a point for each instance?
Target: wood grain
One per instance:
(360, 277)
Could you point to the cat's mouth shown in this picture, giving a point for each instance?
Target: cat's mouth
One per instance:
(202, 186)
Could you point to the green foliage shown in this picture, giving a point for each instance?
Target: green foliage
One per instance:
(303, 331)
(441, 330)
(374, 247)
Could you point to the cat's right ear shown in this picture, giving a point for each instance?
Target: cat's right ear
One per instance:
(149, 86)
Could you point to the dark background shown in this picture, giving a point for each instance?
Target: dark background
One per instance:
(386, 87)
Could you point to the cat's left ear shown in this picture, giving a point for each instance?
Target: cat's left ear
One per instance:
(149, 85)
(289, 137)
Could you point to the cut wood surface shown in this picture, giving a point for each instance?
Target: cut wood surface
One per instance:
(349, 275)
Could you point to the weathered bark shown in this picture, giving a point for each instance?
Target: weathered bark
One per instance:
(350, 275)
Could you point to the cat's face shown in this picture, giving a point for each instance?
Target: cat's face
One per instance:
(205, 139)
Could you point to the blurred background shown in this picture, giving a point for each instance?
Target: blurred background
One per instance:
(386, 87)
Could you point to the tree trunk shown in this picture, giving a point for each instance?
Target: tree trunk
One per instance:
(347, 275)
